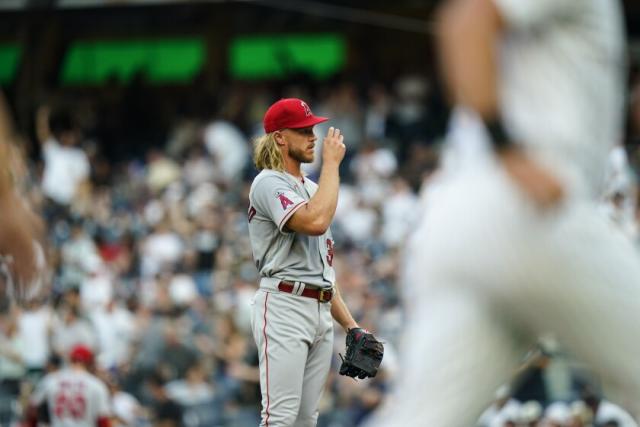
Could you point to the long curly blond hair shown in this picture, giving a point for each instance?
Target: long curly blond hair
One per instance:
(267, 154)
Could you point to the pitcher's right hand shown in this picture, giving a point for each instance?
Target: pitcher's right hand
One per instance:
(333, 148)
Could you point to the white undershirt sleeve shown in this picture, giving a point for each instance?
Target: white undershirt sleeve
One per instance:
(531, 13)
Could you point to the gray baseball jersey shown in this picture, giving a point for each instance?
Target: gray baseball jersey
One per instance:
(75, 398)
(274, 197)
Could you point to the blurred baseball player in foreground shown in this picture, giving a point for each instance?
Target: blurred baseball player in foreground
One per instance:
(75, 397)
(21, 230)
(293, 311)
(512, 244)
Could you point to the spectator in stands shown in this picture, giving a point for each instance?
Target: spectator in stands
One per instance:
(66, 166)
(581, 415)
(175, 356)
(556, 415)
(161, 250)
(502, 405)
(126, 410)
(604, 411)
(116, 331)
(530, 414)
(12, 367)
(229, 149)
(71, 329)
(193, 389)
(343, 106)
(165, 411)
(80, 255)
(399, 213)
(34, 324)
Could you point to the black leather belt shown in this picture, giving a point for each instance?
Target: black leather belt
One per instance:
(322, 295)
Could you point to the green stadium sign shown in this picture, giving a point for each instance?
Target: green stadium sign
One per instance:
(165, 60)
(277, 56)
(9, 58)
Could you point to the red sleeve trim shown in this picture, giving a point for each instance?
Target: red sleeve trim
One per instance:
(289, 214)
(103, 422)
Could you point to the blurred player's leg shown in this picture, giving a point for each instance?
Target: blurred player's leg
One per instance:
(457, 354)
(593, 298)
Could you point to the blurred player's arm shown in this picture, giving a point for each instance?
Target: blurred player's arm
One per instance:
(20, 228)
(6, 133)
(468, 38)
(6, 124)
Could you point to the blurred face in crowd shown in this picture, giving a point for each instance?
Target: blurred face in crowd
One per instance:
(299, 144)
(70, 138)
(195, 374)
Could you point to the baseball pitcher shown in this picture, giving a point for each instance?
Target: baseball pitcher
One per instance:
(293, 310)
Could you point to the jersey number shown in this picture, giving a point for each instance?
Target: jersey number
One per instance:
(330, 252)
(69, 405)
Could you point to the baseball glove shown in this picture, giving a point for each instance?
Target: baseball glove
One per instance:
(364, 354)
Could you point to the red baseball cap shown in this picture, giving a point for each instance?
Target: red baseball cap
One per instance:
(81, 353)
(290, 113)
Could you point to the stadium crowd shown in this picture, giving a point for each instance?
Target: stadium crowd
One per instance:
(151, 268)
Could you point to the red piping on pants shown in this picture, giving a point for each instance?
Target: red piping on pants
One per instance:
(266, 356)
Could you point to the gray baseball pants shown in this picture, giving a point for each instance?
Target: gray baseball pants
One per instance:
(294, 336)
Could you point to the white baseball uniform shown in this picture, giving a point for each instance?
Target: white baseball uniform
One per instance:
(293, 333)
(621, 192)
(487, 270)
(75, 398)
